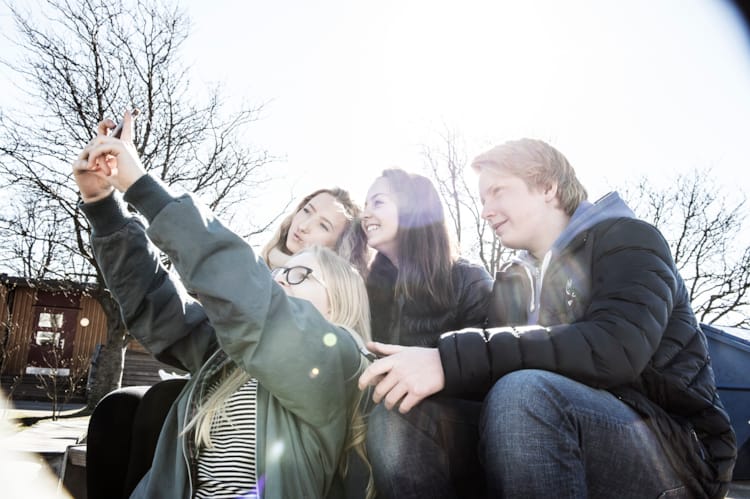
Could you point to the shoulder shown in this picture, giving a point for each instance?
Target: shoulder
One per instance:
(629, 233)
(625, 242)
(462, 266)
(381, 271)
(467, 274)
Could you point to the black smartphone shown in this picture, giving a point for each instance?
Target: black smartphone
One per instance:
(368, 354)
(117, 131)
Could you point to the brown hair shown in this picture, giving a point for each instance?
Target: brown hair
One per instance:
(425, 254)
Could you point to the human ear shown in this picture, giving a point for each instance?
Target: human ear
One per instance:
(550, 191)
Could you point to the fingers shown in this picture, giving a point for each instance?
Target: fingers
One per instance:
(394, 395)
(409, 402)
(395, 392)
(99, 149)
(383, 349)
(373, 374)
(99, 167)
(127, 127)
(384, 388)
(104, 126)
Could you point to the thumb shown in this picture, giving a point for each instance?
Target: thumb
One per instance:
(127, 125)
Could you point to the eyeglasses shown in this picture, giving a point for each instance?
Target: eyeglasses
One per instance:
(295, 275)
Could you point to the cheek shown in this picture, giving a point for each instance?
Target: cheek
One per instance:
(295, 221)
(324, 238)
(391, 216)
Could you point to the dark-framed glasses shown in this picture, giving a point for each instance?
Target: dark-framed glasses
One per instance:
(295, 275)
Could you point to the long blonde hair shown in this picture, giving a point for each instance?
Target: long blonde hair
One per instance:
(349, 308)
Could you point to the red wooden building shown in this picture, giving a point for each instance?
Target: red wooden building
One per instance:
(53, 328)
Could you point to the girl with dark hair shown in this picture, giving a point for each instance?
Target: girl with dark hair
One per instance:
(417, 287)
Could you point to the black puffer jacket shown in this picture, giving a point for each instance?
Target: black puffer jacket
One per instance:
(613, 313)
(410, 323)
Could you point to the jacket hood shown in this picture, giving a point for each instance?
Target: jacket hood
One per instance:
(587, 215)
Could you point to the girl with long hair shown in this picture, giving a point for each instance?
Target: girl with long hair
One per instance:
(327, 217)
(418, 288)
(272, 407)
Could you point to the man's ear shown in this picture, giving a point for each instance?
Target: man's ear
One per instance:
(550, 191)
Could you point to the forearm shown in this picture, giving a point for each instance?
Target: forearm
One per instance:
(155, 308)
(608, 344)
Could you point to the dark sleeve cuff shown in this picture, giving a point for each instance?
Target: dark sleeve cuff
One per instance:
(465, 364)
(148, 196)
(448, 357)
(107, 215)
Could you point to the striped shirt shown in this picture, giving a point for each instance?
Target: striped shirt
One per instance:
(227, 470)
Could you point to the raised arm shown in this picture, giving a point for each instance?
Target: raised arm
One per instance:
(307, 363)
(155, 307)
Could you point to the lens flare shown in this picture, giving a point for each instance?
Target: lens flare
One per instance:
(329, 339)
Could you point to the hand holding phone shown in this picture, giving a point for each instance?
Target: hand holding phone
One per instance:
(114, 161)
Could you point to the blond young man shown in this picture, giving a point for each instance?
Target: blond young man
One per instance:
(592, 378)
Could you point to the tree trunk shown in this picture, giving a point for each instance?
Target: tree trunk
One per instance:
(107, 374)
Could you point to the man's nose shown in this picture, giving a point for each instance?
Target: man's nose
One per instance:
(486, 212)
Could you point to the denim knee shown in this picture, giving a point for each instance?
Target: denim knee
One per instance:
(520, 405)
(387, 437)
(524, 390)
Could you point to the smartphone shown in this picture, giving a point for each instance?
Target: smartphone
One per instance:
(117, 131)
(368, 354)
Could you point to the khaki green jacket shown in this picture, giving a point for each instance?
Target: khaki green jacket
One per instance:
(307, 368)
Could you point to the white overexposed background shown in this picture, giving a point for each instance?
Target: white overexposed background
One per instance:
(350, 87)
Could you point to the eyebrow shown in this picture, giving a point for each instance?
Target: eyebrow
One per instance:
(375, 196)
(494, 185)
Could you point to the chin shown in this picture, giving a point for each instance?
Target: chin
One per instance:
(293, 247)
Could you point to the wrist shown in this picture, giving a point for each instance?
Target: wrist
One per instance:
(92, 198)
(126, 183)
(107, 215)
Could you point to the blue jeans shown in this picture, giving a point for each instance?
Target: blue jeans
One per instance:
(539, 434)
(429, 452)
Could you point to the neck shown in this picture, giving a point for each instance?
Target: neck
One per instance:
(549, 235)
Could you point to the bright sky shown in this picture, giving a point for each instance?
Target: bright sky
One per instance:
(621, 88)
(352, 87)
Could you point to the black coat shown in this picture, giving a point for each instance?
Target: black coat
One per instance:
(401, 322)
(614, 314)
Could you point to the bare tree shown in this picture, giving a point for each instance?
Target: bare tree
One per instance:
(8, 327)
(84, 60)
(704, 230)
(447, 164)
